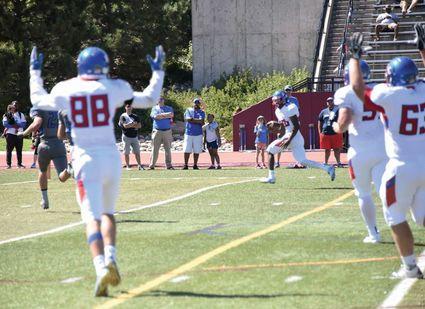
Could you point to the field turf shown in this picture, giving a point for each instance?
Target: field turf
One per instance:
(242, 244)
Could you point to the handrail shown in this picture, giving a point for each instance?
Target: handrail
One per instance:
(343, 46)
(326, 83)
(323, 35)
(319, 37)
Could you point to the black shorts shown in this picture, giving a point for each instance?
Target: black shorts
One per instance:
(212, 145)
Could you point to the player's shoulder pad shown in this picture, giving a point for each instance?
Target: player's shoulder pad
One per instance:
(292, 108)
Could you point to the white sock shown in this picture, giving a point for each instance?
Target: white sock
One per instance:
(272, 174)
(409, 261)
(44, 196)
(110, 254)
(99, 264)
(368, 211)
(314, 164)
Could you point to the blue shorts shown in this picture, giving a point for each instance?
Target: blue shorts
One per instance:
(212, 145)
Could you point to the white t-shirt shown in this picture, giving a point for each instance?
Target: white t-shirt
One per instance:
(91, 105)
(386, 18)
(284, 115)
(365, 125)
(210, 131)
(403, 115)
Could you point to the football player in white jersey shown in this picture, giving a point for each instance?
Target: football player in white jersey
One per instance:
(401, 102)
(287, 113)
(90, 101)
(366, 160)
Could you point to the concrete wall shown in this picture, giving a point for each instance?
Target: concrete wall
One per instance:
(266, 35)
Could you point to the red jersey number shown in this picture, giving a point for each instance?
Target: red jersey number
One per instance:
(410, 115)
(371, 114)
(99, 110)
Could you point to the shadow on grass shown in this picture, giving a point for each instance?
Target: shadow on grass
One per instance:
(161, 293)
(144, 221)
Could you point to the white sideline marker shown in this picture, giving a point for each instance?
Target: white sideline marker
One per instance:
(156, 204)
(26, 206)
(215, 204)
(402, 288)
(292, 279)
(340, 203)
(277, 203)
(311, 177)
(72, 280)
(179, 279)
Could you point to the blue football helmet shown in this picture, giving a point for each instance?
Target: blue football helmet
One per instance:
(364, 67)
(401, 71)
(278, 95)
(93, 61)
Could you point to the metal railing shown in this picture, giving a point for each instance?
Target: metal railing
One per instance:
(343, 48)
(319, 84)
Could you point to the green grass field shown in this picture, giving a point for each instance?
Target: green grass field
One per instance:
(290, 257)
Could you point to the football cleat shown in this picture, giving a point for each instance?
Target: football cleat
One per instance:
(331, 172)
(372, 239)
(115, 277)
(44, 204)
(101, 285)
(70, 170)
(268, 180)
(141, 168)
(407, 272)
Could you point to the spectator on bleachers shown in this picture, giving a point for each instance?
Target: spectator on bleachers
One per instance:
(405, 8)
(329, 139)
(387, 22)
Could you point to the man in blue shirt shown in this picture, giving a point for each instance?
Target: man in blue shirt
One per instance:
(289, 97)
(193, 135)
(162, 116)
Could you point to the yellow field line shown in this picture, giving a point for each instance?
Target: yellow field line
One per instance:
(312, 263)
(209, 255)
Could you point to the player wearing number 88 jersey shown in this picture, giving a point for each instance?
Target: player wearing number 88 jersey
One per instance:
(90, 101)
(366, 159)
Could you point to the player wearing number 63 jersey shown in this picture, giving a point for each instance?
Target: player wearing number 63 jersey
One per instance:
(90, 101)
(366, 159)
(401, 102)
(287, 113)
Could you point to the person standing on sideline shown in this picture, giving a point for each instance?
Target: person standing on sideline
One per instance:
(130, 124)
(328, 138)
(162, 116)
(193, 135)
(261, 133)
(14, 122)
(90, 100)
(213, 140)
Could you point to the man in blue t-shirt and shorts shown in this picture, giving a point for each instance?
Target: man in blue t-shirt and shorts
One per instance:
(193, 135)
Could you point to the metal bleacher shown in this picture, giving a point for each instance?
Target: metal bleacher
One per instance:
(363, 16)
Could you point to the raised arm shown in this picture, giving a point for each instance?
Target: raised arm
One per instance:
(151, 94)
(356, 76)
(420, 39)
(38, 95)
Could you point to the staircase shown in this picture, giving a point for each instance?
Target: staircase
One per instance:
(363, 20)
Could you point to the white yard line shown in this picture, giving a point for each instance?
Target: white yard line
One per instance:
(402, 288)
(17, 183)
(137, 208)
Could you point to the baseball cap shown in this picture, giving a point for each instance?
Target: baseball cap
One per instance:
(288, 88)
(197, 101)
(329, 99)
